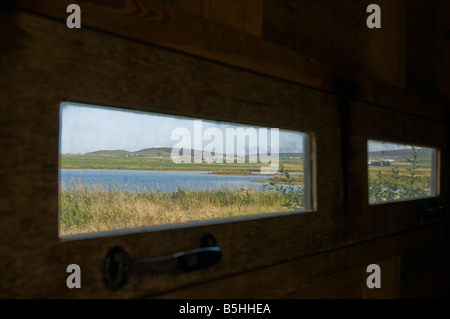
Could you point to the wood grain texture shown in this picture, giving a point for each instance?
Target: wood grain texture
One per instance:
(424, 271)
(443, 20)
(387, 45)
(241, 15)
(45, 63)
(151, 21)
(423, 46)
(336, 33)
(340, 273)
(332, 32)
(92, 67)
(390, 280)
(245, 16)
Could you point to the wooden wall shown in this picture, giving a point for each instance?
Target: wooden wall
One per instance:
(287, 46)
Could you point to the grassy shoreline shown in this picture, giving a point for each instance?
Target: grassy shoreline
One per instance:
(95, 209)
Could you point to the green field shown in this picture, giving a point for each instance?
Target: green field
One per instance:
(164, 164)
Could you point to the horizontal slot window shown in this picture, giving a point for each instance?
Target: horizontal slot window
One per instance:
(123, 169)
(400, 172)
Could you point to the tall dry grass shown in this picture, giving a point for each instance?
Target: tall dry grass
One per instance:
(94, 208)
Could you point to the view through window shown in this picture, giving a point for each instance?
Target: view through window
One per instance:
(124, 169)
(400, 172)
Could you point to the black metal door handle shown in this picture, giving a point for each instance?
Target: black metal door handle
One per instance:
(118, 266)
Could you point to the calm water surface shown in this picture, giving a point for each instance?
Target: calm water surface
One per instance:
(169, 181)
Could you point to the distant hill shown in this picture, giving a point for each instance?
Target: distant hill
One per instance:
(163, 152)
(155, 152)
(110, 153)
(148, 152)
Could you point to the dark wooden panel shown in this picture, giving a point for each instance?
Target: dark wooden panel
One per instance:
(425, 270)
(443, 82)
(386, 49)
(320, 29)
(422, 47)
(151, 22)
(336, 33)
(340, 273)
(47, 63)
(44, 63)
(390, 280)
(428, 48)
(240, 15)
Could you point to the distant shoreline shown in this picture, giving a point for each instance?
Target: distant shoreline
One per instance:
(153, 163)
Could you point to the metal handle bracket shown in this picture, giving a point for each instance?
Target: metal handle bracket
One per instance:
(118, 266)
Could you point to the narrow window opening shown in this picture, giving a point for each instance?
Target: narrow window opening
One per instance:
(123, 169)
(399, 172)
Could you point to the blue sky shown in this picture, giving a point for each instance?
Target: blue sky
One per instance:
(85, 128)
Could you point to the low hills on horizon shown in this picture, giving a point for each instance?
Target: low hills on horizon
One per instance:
(164, 152)
(147, 152)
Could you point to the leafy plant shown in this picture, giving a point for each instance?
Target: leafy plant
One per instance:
(394, 186)
(292, 194)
